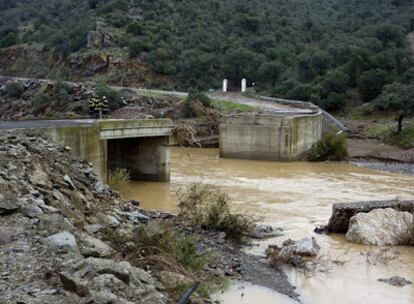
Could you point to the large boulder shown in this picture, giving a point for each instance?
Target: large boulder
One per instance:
(63, 241)
(382, 227)
(342, 213)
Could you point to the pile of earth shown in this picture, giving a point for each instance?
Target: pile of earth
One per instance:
(52, 209)
(55, 218)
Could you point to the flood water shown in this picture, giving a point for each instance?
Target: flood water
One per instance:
(298, 197)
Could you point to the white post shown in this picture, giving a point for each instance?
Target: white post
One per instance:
(225, 85)
(243, 85)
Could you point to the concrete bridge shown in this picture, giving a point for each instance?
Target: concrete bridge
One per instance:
(140, 146)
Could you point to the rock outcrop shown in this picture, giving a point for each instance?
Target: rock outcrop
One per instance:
(100, 38)
(383, 227)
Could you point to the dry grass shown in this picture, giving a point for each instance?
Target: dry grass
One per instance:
(119, 179)
(383, 256)
(185, 135)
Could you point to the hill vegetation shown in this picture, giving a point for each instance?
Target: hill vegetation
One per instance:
(332, 52)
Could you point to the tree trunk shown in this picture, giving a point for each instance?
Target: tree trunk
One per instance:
(400, 125)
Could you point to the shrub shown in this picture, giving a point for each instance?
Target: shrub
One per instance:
(40, 101)
(334, 102)
(135, 47)
(14, 89)
(135, 28)
(119, 178)
(330, 147)
(160, 238)
(196, 95)
(205, 207)
(114, 97)
(62, 91)
(9, 40)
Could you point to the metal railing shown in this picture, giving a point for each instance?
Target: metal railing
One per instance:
(308, 105)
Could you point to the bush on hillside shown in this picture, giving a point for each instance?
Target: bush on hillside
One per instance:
(14, 89)
(206, 207)
(114, 97)
(196, 95)
(330, 148)
(62, 91)
(40, 101)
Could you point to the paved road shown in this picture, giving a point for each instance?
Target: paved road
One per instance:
(29, 124)
(267, 106)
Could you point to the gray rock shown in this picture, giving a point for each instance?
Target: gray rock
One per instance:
(8, 206)
(108, 281)
(113, 222)
(31, 211)
(296, 253)
(382, 227)
(40, 178)
(63, 241)
(54, 223)
(93, 247)
(266, 231)
(136, 217)
(395, 281)
(103, 297)
(173, 279)
(92, 229)
(74, 284)
(68, 180)
(306, 247)
(49, 209)
(102, 266)
(342, 213)
(139, 275)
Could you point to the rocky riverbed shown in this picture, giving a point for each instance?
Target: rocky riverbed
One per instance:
(57, 244)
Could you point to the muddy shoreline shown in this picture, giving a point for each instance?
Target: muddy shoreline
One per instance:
(386, 166)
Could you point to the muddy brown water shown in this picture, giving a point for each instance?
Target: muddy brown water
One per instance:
(298, 197)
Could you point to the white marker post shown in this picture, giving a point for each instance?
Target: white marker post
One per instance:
(225, 85)
(243, 85)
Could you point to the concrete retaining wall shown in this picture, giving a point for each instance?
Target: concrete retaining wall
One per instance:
(278, 138)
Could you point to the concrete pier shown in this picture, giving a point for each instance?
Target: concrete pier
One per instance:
(277, 137)
(140, 146)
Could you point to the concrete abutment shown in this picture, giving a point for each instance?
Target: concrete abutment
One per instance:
(284, 137)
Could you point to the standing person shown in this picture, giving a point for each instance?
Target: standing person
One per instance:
(93, 100)
(98, 108)
(105, 106)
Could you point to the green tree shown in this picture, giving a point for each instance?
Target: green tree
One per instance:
(371, 82)
(135, 28)
(336, 81)
(399, 98)
(9, 40)
(270, 72)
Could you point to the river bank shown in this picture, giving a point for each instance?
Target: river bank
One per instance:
(298, 197)
(65, 238)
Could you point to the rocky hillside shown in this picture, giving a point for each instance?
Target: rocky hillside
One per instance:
(53, 210)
